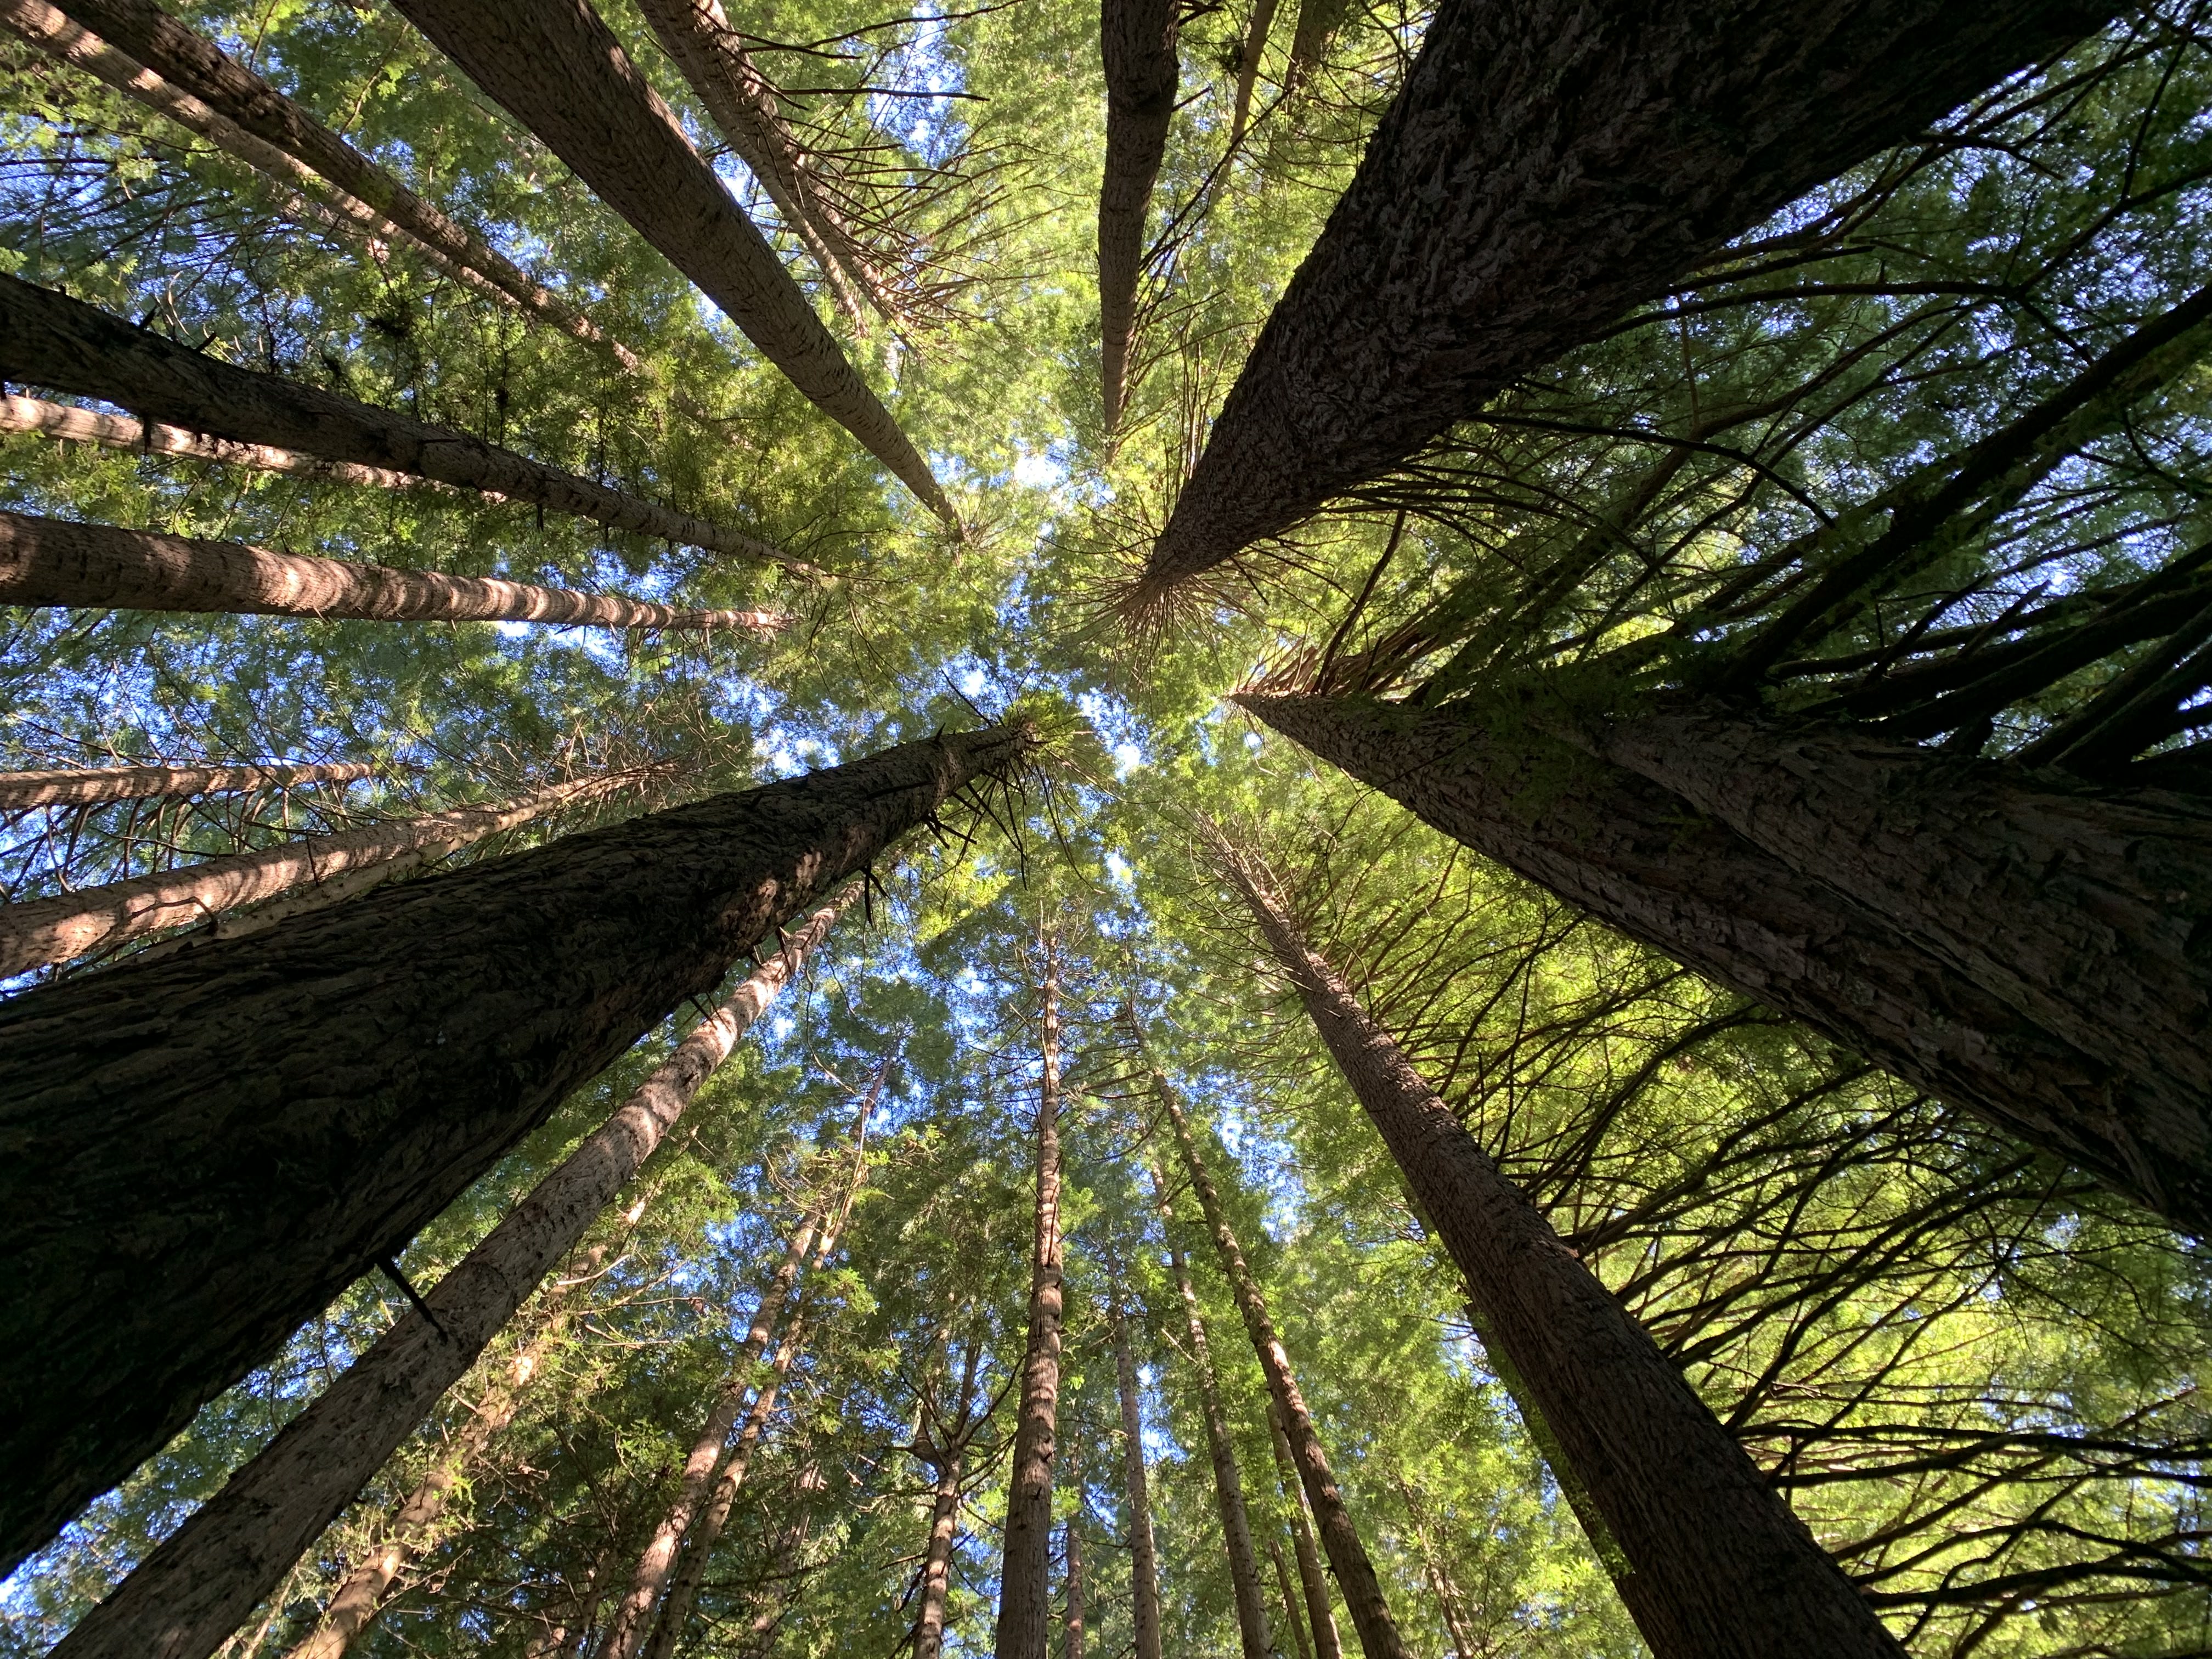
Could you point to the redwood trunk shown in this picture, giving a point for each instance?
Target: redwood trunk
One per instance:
(87, 786)
(1633, 854)
(1545, 168)
(90, 426)
(48, 339)
(1320, 1617)
(54, 562)
(937, 1559)
(1724, 1569)
(559, 71)
(1293, 1619)
(1025, 1572)
(1144, 1556)
(197, 1154)
(1138, 38)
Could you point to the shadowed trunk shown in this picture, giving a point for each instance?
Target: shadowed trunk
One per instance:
(187, 1596)
(1633, 856)
(86, 786)
(51, 340)
(1025, 1572)
(1318, 21)
(560, 71)
(1721, 1568)
(1320, 1617)
(54, 562)
(1293, 1619)
(943, 1445)
(197, 1154)
(1138, 38)
(1545, 168)
(1144, 1555)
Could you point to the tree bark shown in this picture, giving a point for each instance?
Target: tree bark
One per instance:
(1318, 21)
(190, 1593)
(1138, 38)
(88, 426)
(1320, 1617)
(1144, 1555)
(65, 926)
(197, 1154)
(55, 561)
(944, 1448)
(1340, 1539)
(1248, 54)
(1025, 1572)
(558, 70)
(87, 785)
(49, 339)
(1721, 1567)
(1293, 1619)
(1072, 1558)
(1632, 854)
(1543, 169)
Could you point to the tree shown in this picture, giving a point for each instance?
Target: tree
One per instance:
(1138, 38)
(82, 785)
(1144, 1559)
(947, 1429)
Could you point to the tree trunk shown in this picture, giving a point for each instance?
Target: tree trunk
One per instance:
(1248, 54)
(1543, 169)
(1138, 38)
(1143, 1557)
(1025, 1572)
(1228, 1486)
(1072, 1556)
(88, 426)
(1340, 1539)
(48, 339)
(1318, 21)
(1720, 1568)
(190, 1592)
(1320, 1617)
(65, 926)
(1293, 1619)
(53, 561)
(1632, 854)
(87, 786)
(197, 1154)
(946, 1452)
(557, 69)
(187, 77)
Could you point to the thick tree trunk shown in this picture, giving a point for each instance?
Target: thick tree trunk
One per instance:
(87, 786)
(1340, 1539)
(1025, 1572)
(1635, 856)
(197, 1154)
(1138, 38)
(1144, 1555)
(1725, 1571)
(55, 561)
(1320, 1617)
(48, 339)
(187, 1596)
(1545, 168)
(559, 71)
(65, 926)
(1293, 1619)
(188, 78)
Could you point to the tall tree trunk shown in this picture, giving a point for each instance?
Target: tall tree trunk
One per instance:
(1138, 38)
(1318, 21)
(190, 1592)
(1320, 1617)
(51, 340)
(88, 426)
(1720, 1568)
(54, 562)
(1144, 1556)
(197, 1154)
(946, 1452)
(1228, 1486)
(1255, 47)
(1545, 168)
(1293, 1619)
(1340, 1539)
(65, 926)
(87, 786)
(190, 79)
(1633, 854)
(1025, 1573)
(1072, 1558)
(559, 71)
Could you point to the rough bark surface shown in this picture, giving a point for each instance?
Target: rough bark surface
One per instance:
(198, 1153)
(90, 426)
(1634, 856)
(51, 340)
(85, 786)
(942, 1443)
(1072, 1631)
(1321, 1617)
(1144, 1554)
(1545, 168)
(56, 561)
(1138, 40)
(1729, 1572)
(559, 71)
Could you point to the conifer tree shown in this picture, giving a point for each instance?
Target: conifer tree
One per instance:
(82, 786)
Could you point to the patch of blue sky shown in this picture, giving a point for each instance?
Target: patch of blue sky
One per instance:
(1118, 728)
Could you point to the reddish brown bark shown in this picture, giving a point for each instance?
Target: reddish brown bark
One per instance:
(1138, 38)
(86, 786)
(942, 1443)
(1320, 1617)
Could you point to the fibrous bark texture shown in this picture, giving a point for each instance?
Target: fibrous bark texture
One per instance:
(559, 71)
(1544, 169)
(1721, 1568)
(1635, 856)
(55, 561)
(197, 1154)
(84, 786)
(1144, 1555)
(1138, 38)
(51, 340)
